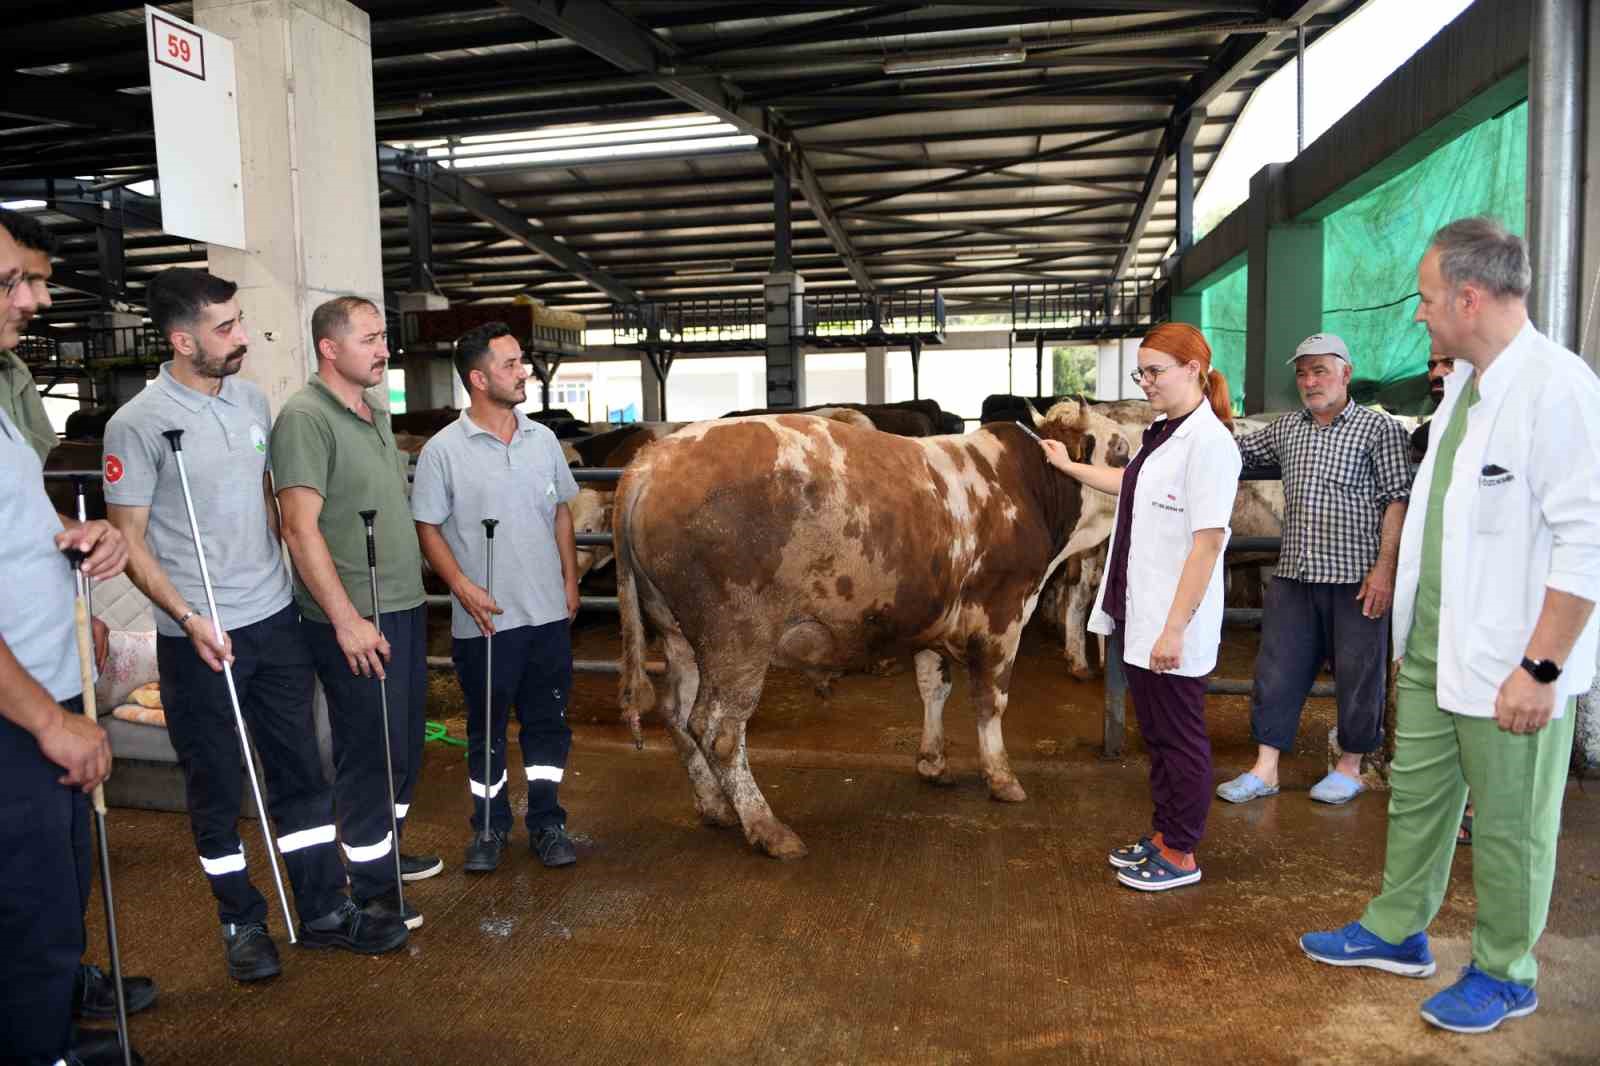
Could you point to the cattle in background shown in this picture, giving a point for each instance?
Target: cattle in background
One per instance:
(904, 418)
(794, 541)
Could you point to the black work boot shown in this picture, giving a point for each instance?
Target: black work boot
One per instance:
(419, 867)
(250, 952)
(388, 906)
(554, 846)
(98, 1047)
(483, 851)
(94, 996)
(353, 929)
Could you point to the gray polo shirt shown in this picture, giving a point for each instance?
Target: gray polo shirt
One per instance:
(36, 604)
(225, 442)
(466, 474)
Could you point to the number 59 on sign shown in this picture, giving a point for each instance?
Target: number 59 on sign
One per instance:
(177, 47)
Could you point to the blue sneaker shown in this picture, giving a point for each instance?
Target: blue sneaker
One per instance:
(1477, 1003)
(1355, 946)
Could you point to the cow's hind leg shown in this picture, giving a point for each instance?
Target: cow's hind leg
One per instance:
(933, 681)
(728, 697)
(990, 676)
(683, 685)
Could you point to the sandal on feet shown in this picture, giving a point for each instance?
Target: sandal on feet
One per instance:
(1244, 788)
(1131, 854)
(1337, 788)
(1156, 874)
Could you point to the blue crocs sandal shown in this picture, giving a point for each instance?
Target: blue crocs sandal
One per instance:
(1244, 788)
(1156, 874)
(1131, 854)
(1337, 788)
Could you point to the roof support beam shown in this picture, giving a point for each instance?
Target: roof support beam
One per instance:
(453, 186)
(601, 29)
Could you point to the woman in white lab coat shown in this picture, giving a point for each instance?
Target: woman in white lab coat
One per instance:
(1162, 591)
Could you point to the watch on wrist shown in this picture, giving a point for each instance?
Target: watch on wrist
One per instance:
(186, 616)
(1544, 671)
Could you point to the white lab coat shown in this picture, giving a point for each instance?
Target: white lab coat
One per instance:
(1187, 484)
(1522, 514)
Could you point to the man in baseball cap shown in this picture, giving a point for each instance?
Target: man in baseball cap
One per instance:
(1345, 485)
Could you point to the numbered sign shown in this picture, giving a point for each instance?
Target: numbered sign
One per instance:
(178, 47)
(193, 94)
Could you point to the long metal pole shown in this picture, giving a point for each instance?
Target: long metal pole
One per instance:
(1300, 88)
(488, 681)
(83, 611)
(175, 438)
(1555, 140)
(367, 518)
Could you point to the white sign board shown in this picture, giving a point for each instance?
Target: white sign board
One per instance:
(194, 96)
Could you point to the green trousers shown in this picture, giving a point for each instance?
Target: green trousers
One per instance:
(1516, 784)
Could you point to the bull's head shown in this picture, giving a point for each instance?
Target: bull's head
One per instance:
(1089, 437)
(591, 513)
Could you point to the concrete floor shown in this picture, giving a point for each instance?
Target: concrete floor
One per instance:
(926, 926)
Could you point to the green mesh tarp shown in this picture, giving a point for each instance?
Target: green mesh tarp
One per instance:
(1370, 251)
(1222, 320)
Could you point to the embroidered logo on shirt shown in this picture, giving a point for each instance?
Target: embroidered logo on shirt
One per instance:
(114, 469)
(1495, 475)
(550, 490)
(258, 438)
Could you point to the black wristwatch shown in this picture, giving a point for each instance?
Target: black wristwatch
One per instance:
(1544, 671)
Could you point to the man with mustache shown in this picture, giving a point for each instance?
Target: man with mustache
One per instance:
(1439, 368)
(495, 463)
(1345, 486)
(225, 421)
(334, 456)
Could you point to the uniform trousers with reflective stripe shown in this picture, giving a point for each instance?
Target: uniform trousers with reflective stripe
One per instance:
(533, 670)
(355, 712)
(45, 872)
(272, 674)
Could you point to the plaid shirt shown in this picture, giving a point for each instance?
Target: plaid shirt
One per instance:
(1337, 481)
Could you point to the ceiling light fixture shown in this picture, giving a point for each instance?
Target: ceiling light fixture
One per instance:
(954, 59)
(715, 266)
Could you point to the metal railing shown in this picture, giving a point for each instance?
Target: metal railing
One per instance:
(821, 316)
(894, 315)
(701, 320)
(95, 348)
(1085, 308)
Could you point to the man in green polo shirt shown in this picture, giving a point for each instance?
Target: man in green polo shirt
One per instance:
(334, 456)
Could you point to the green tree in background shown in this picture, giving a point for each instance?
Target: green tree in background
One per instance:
(1075, 371)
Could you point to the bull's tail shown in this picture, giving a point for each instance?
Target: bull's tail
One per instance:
(635, 693)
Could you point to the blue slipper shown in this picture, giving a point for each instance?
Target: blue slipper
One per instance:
(1156, 874)
(1337, 788)
(1244, 788)
(1131, 854)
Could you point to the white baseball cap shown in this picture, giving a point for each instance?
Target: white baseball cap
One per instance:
(1322, 344)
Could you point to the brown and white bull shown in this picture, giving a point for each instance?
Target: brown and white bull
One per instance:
(794, 541)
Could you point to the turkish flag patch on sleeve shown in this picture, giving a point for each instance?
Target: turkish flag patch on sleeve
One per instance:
(113, 469)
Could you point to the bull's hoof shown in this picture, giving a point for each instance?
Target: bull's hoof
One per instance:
(1007, 791)
(776, 839)
(931, 768)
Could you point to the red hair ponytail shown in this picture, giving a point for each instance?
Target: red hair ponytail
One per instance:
(1187, 344)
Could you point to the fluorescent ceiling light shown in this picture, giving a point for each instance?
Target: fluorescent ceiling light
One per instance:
(715, 266)
(586, 128)
(22, 205)
(597, 152)
(502, 145)
(954, 59)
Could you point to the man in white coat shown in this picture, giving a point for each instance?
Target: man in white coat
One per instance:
(1494, 625)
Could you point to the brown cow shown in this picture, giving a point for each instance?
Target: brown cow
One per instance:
(794, 541)
(911, 418)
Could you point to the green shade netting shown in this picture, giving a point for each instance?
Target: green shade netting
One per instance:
(1370, 252)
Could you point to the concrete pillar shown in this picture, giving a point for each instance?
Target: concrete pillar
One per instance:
(650, 390)
(877, 375)
(1285, 302)
(786, 371)
(310, 173)
(1129, 350)
(1108, 371)
(430, 381)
